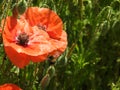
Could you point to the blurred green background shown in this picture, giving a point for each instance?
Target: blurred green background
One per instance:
(92, 58)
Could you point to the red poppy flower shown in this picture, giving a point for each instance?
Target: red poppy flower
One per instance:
(35, 36)
(9, 86)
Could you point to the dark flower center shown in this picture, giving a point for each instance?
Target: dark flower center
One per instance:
(51, 60)
(23, 39)
(42, 27)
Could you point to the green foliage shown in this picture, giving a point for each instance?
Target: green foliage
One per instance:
(22, 6)
(92, 59)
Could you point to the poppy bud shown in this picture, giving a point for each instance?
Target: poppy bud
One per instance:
(15, 12)
(22, 6)
(45, 81)
(51, 71)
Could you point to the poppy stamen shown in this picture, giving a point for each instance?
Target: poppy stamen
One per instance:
(51, 60)
(23, 39)
(41, 27)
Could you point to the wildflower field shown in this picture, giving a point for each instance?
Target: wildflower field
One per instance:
(59, 44)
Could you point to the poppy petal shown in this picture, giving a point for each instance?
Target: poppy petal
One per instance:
(60, 45)
(10, 27)
(47, 18)
(9, 86)
(18, 59)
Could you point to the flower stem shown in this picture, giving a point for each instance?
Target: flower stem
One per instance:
(3, 60)
(80, 2)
